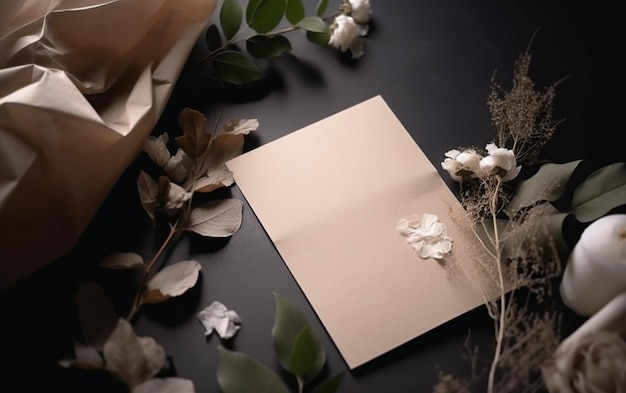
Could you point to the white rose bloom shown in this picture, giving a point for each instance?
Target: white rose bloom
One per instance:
(462, 165)
(346, 36)
(500, 161)
(360, 10)
(595, 362)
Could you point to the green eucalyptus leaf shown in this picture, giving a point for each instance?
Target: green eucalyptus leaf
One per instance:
(312, 23)
(330, 385)
(547, 184)
(318, 38)
(307, 355)
(262, 46)
(321, 7)
(213, 38)
(602, 191)
(230, 17)
(240, 373)
(233, 67)
(264, 15)
(295, 11)
(293, 347)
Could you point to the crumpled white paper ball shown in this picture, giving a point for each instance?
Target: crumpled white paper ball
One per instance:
(217, 317)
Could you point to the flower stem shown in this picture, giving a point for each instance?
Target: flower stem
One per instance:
(174, 229)
(502, 317)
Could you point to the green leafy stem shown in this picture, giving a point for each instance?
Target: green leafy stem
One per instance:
(230, 65)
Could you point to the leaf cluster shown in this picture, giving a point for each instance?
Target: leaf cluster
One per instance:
(255, 26)
(299, 352)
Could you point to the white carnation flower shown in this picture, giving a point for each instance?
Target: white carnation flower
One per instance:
(346, 35)
(360, 10)
(500, 161)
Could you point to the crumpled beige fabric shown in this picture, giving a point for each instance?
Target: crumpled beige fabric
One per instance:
(82, 83)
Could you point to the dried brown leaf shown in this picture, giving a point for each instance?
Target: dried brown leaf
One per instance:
(195, 139)
(172, 281)
(148, 193)
(219, 218)
(122, 261)
(165, 385)
(96, 314)
(215, 178)
(131, 358)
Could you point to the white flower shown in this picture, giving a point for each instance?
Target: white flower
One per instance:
(595, 362)
(462, 165)
(500, 161)
(346, 35)
(428, 236)
(177, 166)
(176, 197)
(360, 10)
(217, 317)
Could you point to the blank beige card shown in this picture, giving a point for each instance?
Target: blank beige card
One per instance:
(329, 196)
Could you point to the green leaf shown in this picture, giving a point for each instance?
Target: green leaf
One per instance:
(297, 347)
(264, 15)
(318, 38)
(262, 46)
(233, 67)
(314, 24)
(330, 385)
(321, 7)
(213, 39)
(230, 18)
(546, 185)
(307, 356)
(295, 11)
(603, 190)
(239, 373)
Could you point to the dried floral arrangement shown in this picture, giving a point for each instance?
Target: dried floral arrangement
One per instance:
(520, 227)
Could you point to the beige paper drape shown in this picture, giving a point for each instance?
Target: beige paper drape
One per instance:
(82, 83)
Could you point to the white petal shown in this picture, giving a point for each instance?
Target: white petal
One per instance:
(429, 238)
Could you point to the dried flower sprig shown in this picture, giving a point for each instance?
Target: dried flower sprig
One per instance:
(198, 166)
(516, 250)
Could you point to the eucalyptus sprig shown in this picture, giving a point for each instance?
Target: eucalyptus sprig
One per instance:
(299, 351)
(244, 36)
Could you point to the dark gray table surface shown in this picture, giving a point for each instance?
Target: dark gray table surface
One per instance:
(432, 62)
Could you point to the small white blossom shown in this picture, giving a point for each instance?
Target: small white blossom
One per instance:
(462, 165)
(217, 317)
(346, 35)
(176, 166)
(500, 161)
(360, 10)
(176, 197)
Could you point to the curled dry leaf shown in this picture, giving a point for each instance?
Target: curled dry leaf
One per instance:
(148, 193)
(219, 218)
(131, 358)
(240, 126)
(122, 261)
(195, 139)
(165, 385)
(215, 178)
(172, 281)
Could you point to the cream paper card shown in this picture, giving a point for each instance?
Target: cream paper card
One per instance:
(330, 196)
